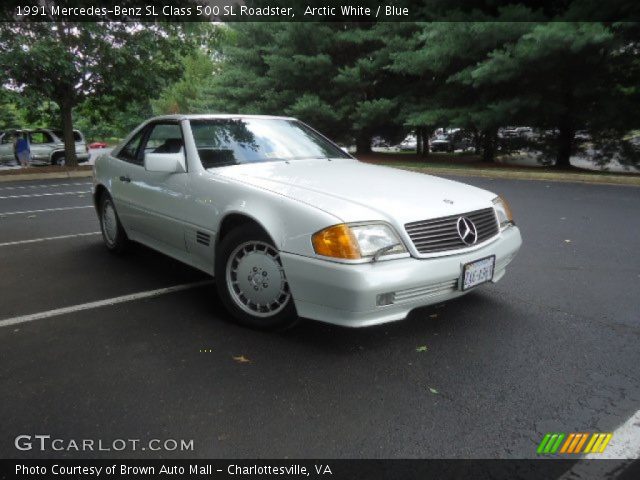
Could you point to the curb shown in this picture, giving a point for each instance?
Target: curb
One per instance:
(617, 180)
(46, 175)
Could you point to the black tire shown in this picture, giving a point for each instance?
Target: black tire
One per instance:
(114, 236)
(262, 261)
(59, 160)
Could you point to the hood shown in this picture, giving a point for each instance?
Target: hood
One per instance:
(354, 191)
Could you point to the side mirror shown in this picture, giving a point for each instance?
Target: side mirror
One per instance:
(165, 162)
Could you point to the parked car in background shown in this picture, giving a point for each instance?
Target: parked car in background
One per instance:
(291, 226)
(47, 146)
(442, 143)
(97, 145)
(524, 131)
(379, 142)
(7, 147)
(409, 143)
(53, 153)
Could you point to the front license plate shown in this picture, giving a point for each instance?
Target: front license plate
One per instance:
(477, 272)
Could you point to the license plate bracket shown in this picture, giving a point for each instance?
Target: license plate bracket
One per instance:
(477, 272)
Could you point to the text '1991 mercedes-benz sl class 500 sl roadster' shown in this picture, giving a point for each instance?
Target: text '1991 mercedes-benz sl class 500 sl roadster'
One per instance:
(292, 226)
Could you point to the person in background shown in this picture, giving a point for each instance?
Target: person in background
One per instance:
(23, 150)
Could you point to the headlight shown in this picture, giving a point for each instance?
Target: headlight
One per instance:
(353, 242)
(503, 211)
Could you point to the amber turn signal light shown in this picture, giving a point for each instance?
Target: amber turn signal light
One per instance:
(337, 241)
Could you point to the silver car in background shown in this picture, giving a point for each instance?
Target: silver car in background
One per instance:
(47, 146)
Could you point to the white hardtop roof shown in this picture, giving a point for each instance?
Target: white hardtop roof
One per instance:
(213, 116)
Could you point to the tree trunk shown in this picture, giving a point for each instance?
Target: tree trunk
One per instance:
(425, 133)
(420, 145)
(489, 140)
(566, 124)
(67, 131)
(363, 144)
(565, 146)
(477, 144)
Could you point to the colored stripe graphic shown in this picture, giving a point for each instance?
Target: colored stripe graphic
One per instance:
(565, 447)
(581, 442)
(557, 444)
(598, 443)
(550, 443)
(543, 443)
(574, 442)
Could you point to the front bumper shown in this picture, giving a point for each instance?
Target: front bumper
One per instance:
(347, 294)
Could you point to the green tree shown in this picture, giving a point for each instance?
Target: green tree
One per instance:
(186, 95)
(68, 63)
(329, 75)
(11, 115)
(562, 77)
(431, 60)
(100, 120)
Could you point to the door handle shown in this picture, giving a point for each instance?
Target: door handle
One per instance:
(125, 179)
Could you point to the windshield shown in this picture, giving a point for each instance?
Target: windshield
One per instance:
(232, 141)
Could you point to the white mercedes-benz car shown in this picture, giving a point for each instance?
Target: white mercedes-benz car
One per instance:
(292, 226)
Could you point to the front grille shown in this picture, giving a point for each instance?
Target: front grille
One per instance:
(441, 234)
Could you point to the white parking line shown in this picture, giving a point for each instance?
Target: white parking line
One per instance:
(60, 237)
(25, 212)
(624, 445)
(23, 187)
(102, 303)
(45, 194)
(625, 441)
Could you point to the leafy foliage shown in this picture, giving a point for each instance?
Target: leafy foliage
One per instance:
(484, 67)
(329, 75)
(70, 63)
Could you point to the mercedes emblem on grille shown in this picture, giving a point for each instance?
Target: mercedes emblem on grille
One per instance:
(467, 231)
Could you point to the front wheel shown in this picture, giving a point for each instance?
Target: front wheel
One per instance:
(113, 234)
(251, 281)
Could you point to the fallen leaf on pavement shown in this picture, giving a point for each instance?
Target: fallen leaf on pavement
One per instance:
(242, 359)
(567, 241)
(433, 390)
(422, 348)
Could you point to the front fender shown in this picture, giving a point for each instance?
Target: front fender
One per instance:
(289, 223)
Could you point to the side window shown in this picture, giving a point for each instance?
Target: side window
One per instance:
(8, 138)
(129, 153)
(165, 138)
(38, 138)
(76, 135)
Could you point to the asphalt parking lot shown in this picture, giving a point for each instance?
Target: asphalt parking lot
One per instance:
(553, 347)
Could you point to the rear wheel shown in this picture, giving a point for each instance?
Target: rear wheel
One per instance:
(113, 234)
(59, 160)
(251, 280)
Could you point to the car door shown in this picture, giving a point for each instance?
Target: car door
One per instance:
(126, 168)
(42, 144)
(7, 148)
(159, 197)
